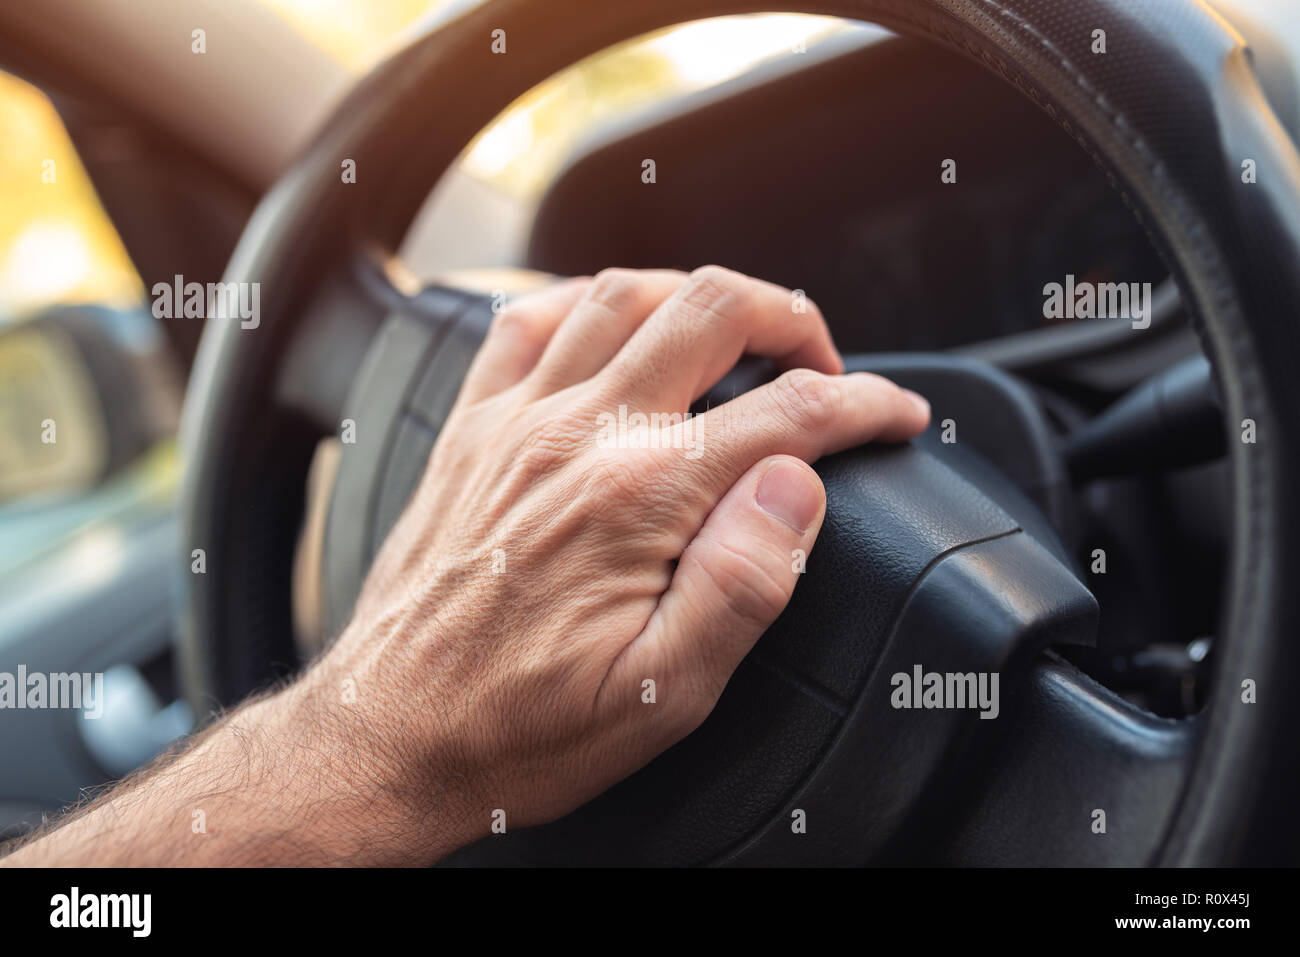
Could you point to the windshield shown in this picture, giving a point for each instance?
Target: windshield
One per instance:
(527, 144)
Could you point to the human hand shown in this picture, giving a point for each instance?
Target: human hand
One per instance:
(551, 575)
(560, 601)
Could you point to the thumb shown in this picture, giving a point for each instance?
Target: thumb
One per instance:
(732, 581)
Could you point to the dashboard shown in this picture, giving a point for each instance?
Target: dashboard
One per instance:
(919, 200)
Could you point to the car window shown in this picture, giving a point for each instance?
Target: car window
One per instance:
(88, 405)
(56, 243)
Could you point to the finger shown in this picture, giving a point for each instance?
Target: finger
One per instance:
(698, 333)
(801, 413)
(731, 582)
(614, 305)
(517, 337)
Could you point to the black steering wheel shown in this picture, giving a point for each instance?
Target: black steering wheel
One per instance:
(937, 556)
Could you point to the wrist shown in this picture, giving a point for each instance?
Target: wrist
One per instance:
(364, 795)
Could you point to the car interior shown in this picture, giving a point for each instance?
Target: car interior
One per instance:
(1087, 533)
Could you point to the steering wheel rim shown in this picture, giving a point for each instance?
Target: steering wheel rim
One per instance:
(1170, 112)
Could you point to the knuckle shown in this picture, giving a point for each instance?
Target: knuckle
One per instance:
(717, 275)
(715, 294)
(517, 321)
(809, 399)
(615, 289)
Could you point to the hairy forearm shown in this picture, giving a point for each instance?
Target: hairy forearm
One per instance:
(285, 780)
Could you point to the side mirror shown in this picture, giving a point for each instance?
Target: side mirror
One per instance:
(83, 391)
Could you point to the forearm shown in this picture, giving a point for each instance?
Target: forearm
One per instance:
(282, 781)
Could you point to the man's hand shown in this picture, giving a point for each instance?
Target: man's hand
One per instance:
(574, 539)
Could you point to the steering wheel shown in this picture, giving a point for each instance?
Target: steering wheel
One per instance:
(935, 557)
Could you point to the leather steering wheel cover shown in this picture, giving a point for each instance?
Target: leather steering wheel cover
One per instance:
(1170, 111)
